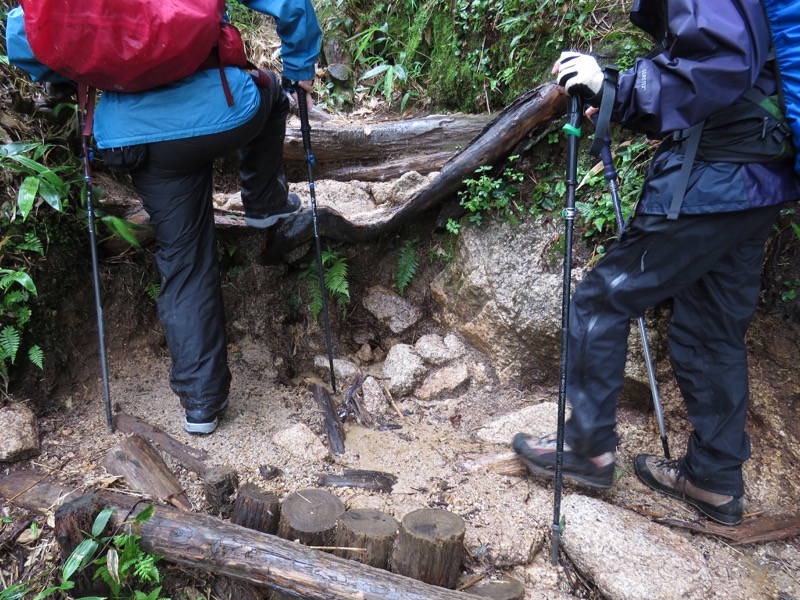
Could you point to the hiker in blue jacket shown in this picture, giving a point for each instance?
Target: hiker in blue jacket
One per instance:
(167, 139)
(699, 241)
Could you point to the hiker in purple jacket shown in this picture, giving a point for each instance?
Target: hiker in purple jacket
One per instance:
(167, 139)
(696, 238)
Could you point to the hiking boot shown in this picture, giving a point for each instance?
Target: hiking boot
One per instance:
(203, 426)
(665, 476)
(539, 455)
(292, 206)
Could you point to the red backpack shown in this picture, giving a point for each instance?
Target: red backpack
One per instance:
(131, 45)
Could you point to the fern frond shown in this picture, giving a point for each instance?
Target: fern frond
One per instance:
(9, 343)
(406, 265)
(32, 243)
(36, 356)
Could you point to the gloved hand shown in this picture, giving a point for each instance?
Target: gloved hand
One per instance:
(580, 74)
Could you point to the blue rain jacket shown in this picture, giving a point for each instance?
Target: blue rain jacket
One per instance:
(716, 51)
(195, 105)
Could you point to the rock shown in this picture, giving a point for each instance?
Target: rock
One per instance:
(374, 398)
(404, 369)
(364, 354)
(503, 294)
(391, 309)
(439, 351)
(344, 370)
(299, 441)
(537, 419)
(630, 558)
(445, 380)
(20, 439)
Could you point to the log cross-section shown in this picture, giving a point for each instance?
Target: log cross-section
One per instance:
(430, 546)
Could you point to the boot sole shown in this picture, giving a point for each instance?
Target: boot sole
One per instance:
(645, 477)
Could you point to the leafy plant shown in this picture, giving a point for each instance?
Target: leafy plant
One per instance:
(121, 564)
(335, 275)
(40, 183)
(597, 213)
(486, 194)
(406, 264)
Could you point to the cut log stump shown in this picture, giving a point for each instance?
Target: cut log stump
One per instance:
(430, 547)
(502, 588)
(220, 485)
(256, 510)
(373, 531)
(310, 516)
(143, 469)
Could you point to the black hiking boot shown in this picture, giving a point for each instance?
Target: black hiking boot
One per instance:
(665, 476)
(292, 206)
(203, 425)
(539, 455)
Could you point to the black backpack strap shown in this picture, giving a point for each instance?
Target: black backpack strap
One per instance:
(693, 135)
(608, 98)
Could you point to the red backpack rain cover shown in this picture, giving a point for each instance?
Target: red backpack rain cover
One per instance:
(130, 45)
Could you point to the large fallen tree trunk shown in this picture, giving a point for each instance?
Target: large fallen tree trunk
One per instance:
(535, 108)
(343, 150)
(203, 541)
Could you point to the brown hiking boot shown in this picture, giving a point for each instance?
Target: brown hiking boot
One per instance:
(665, 476)
(539, 455)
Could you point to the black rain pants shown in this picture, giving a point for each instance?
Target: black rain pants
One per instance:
(175, 184)
(711, 266)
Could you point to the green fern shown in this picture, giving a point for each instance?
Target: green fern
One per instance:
(336, 284)
(406, 265)
(9, 343)
(36, 356)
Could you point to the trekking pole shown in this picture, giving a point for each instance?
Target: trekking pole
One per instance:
(305, 129)
(573, 131)
(87, 177)
(610, 174)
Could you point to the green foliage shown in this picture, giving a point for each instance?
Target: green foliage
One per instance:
(596, 207)
(406, 264)
(336, 283)
(120, 562)
(25, 166)
(16, 287)
(472, 55)
(153, 290)
(40, 183)
(488, 195)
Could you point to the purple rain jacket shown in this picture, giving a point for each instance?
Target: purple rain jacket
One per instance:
(716, 51)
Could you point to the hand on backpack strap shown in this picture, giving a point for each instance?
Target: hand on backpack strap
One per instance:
(580, 74)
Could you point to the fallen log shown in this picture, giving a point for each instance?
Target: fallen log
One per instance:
(333, 427)
(533, 109)
(203, 541)
(426, 143)
(193, 459)
(135, 460)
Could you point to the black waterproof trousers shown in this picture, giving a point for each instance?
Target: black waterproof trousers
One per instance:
(710, 265)
(175, 184)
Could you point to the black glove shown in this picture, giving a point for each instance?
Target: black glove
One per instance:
(580, 74)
